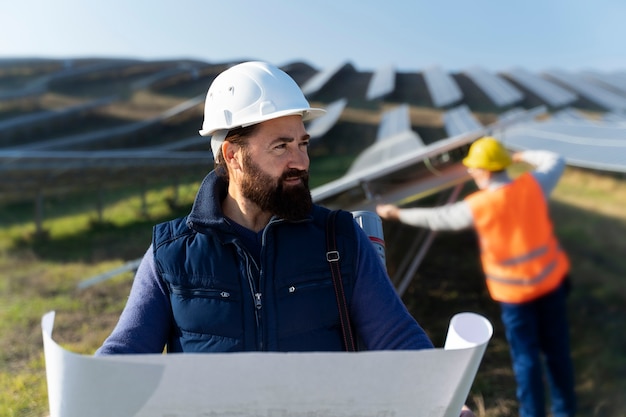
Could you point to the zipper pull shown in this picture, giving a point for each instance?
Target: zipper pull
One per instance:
(257, 300)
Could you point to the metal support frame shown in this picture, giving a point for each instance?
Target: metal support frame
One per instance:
(417, 260)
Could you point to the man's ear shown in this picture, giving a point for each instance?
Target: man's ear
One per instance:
(232, 154)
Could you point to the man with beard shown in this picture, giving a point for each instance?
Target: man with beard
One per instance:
(248, 268)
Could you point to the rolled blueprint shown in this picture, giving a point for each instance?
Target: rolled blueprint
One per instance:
(467, 330)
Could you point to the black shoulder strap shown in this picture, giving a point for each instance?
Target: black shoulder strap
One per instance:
(332, 256)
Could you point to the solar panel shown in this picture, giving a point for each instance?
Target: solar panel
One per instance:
(594, 93)
(318, 127)
(568, 114)
(460, 120)
(551, 93)
(402, 174)
(393, 146)
(316, 82)
(27, 173)
(511, 114)
(19, 160)
(500, 92)
(106, 134)
(441, 86)
(611, 117)
(191, 142)
(47, 116)
(394, 121)
(613, 80)
(586, 144)
(383, 82)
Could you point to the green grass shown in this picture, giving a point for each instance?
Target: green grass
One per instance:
(40, 274)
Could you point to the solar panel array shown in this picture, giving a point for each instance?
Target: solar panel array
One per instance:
(54, 148)
(97, 124)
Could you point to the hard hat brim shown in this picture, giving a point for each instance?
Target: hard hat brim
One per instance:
(306, 113)
(489, 166)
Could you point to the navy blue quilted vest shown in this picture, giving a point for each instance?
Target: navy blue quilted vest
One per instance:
(222, 301)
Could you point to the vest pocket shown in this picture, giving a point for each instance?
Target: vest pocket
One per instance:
(307, 306)
(198, 342)
(207, 317)
(203, 293)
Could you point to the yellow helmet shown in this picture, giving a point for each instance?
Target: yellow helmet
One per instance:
(487, 153)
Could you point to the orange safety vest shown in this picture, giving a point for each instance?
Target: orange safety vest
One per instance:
(520, 255)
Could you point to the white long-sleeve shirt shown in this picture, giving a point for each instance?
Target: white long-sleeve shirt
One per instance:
(548, 169)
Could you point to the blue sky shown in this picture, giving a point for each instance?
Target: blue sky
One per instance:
(410, 34)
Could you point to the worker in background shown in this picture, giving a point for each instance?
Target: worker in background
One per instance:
(248, 268)
(525, 267)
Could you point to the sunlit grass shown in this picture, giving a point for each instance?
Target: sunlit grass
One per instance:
(31, 285)
(600, 193)
(20, 395)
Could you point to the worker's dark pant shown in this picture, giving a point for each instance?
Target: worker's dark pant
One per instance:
(535, 330)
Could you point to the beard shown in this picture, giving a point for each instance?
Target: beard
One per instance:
(271, 195)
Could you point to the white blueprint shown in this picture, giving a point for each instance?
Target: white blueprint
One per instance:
(425, 383)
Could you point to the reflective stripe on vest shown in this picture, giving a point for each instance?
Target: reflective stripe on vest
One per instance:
(525, 280)
(520, 255)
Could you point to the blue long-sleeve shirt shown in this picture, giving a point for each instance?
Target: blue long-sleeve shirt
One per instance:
(380, 317)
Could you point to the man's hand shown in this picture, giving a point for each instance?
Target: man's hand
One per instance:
(466, 412)
(517, 157)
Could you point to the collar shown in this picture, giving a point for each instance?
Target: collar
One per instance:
(207, 207)
(499, 180)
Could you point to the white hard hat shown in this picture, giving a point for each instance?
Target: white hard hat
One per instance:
(250, 93)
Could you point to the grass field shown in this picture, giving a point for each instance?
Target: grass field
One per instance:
(38, 275)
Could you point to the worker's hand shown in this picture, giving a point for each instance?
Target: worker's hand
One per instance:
(517, 157)
(388, 211)
(466, 412)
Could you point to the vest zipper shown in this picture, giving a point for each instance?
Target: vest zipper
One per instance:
(256, 295)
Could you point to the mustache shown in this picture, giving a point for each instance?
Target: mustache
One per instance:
(295, 173)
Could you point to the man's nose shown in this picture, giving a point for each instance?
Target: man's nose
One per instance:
(299, 159)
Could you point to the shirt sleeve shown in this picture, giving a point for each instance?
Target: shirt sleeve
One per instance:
(455, 216)
(549, 167)
(144, 324)
(381, 319)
